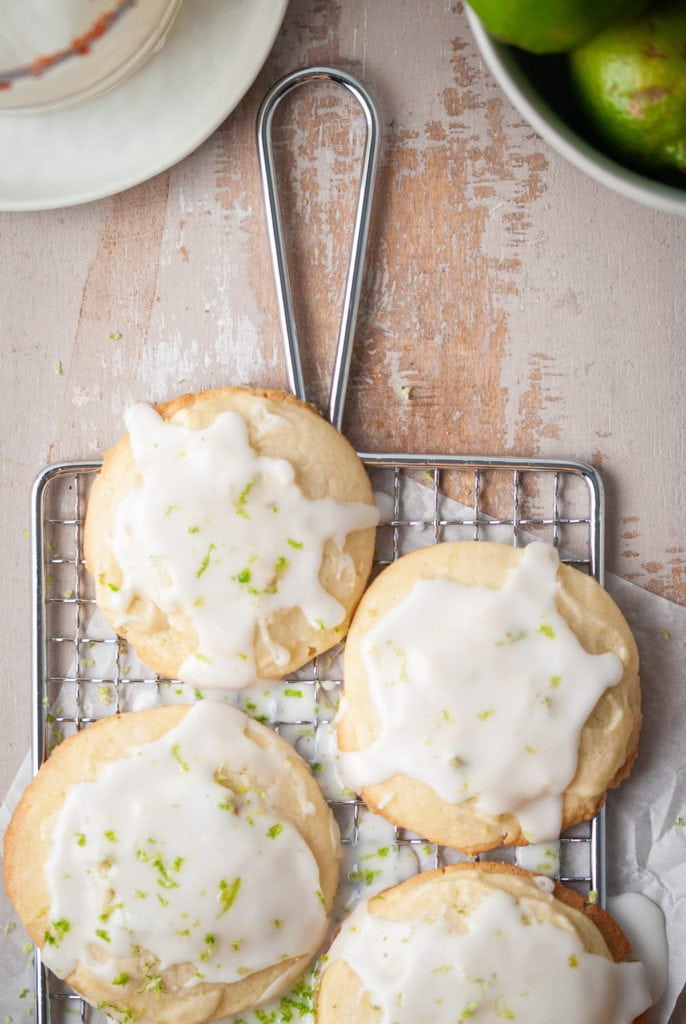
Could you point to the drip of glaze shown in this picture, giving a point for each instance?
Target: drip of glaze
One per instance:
(643, 923)
(541, 857)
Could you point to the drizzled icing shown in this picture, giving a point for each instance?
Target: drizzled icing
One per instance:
(158, 854)
(482, 693)
(506, 965)
(222, 538)
(541, 857)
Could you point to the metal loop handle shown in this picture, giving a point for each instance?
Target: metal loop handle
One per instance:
(353, 282)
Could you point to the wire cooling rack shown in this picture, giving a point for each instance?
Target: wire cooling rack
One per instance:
(83, 672)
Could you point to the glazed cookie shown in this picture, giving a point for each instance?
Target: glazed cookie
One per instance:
(174, 865)
(484, 941)
(230, 535)
(491, 695)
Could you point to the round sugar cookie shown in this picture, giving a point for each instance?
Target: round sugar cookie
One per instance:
(383, 964)
(178, 864)
(230, 535)
(528, 746)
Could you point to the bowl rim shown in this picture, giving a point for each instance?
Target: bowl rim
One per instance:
(502, 63)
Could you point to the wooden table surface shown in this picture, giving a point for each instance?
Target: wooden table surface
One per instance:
(510, 305)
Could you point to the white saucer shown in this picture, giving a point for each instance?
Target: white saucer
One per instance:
(212, 55)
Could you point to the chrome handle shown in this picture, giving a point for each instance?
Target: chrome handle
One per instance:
(353, 282)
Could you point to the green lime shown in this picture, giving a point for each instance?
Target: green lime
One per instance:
(631, 85)
(549, 26)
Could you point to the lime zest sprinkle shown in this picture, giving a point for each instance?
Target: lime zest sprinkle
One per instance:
(297, 544)
(366, 875)
(228, 891)
(205, 562)
(121, 979)
(176, 754)
(239, 506)
(154, 985)
(275, 830)
(292, 693)
(573, 960)
(202, 657)
(54, 936)
(547, 630)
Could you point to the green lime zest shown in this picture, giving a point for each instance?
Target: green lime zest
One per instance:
(228, 891)
(206, 561)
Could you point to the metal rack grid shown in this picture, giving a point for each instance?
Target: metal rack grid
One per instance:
(81, 674)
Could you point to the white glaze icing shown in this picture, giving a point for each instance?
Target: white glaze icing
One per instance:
(545, 883)
(157, 853)
(222, 538)
(643, 923)
(483, 693)
(507, 965)
(541, 857)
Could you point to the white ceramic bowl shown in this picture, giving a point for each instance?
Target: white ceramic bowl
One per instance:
(512, 76)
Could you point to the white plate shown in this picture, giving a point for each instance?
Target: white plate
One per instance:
(212, 55)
